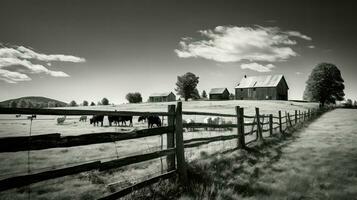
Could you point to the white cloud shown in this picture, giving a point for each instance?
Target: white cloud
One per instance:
(12, 77)
(17, 62)
(257, 67)
(233, 44)
(311, 46)
(298, 73)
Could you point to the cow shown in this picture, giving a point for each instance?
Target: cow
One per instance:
(142, 119)
(60, 120)
(83, 118)
(123, 120)
(96, 119)
(114, 119)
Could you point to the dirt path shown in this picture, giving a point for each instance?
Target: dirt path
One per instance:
(321, 163)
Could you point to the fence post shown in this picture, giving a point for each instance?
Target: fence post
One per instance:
(288, 115)
(299, 116)
(295, 117)
(271, 124)
(280, 125)
(170, 160)
(180, 151)
(309, 114)
(240, 127)
(259, 128)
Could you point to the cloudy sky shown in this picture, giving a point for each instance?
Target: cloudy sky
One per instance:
(86, 50)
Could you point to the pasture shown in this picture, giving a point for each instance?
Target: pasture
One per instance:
(91, 185)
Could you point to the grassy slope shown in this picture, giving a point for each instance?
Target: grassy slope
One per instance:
(80, 185)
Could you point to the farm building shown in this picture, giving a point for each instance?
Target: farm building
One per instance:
(219, 94)
(162, 97)
(270, 87)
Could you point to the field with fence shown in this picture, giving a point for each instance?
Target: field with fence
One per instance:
(77, 160)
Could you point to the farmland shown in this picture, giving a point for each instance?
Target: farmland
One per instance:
(95, 184)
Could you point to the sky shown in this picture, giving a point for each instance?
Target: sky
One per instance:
(86, 50)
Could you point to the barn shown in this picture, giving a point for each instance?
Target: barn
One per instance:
(219, 94)
(270, 87)
(162, 97)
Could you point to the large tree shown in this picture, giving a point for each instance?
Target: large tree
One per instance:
(186, 85)
(73, 103)
(134, 97)
(105, 101)
(325, 84)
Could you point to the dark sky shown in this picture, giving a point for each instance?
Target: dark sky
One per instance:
(130, 45)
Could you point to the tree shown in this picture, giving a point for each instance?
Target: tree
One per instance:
(134, 97)
(105, 101)
(12, 104)
(92, 104)
(85, 103)
(204, 94)
(355, 103)
(348, 103)
(51, 104)
(325, 84)
(196, 95)
(73, 103)
(22, 104)
(186, 85)
(29, 104)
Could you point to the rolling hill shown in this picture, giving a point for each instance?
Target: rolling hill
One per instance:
(32, 102)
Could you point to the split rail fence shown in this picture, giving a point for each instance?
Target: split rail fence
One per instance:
(174, 153)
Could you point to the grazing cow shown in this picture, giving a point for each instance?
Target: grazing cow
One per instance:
(96, 119)
(60, 120)
(142, 119)
(114, 119)
(154, 120)
(83, 118)
(123, 120)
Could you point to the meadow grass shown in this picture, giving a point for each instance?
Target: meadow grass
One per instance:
(95, 184)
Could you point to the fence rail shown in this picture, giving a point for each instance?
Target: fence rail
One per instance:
(39, 142)
(176, 145)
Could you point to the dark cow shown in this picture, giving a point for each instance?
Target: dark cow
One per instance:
(114, 119)
(123, 120)
(154, 120)
(83, 118)
(142, 118)
(96, 119)
(120, 120)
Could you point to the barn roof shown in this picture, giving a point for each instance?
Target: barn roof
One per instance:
(164, 94)
(260, 81)
(217, 90)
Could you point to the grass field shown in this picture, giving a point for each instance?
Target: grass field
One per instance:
(316, 162)
(94, 184)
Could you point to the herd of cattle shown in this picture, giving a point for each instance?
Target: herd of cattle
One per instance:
(154, 120)
(122, 120)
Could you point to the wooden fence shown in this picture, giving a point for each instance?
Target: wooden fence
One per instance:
(174, 152)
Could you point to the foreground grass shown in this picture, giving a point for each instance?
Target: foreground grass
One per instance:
(318, 162)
